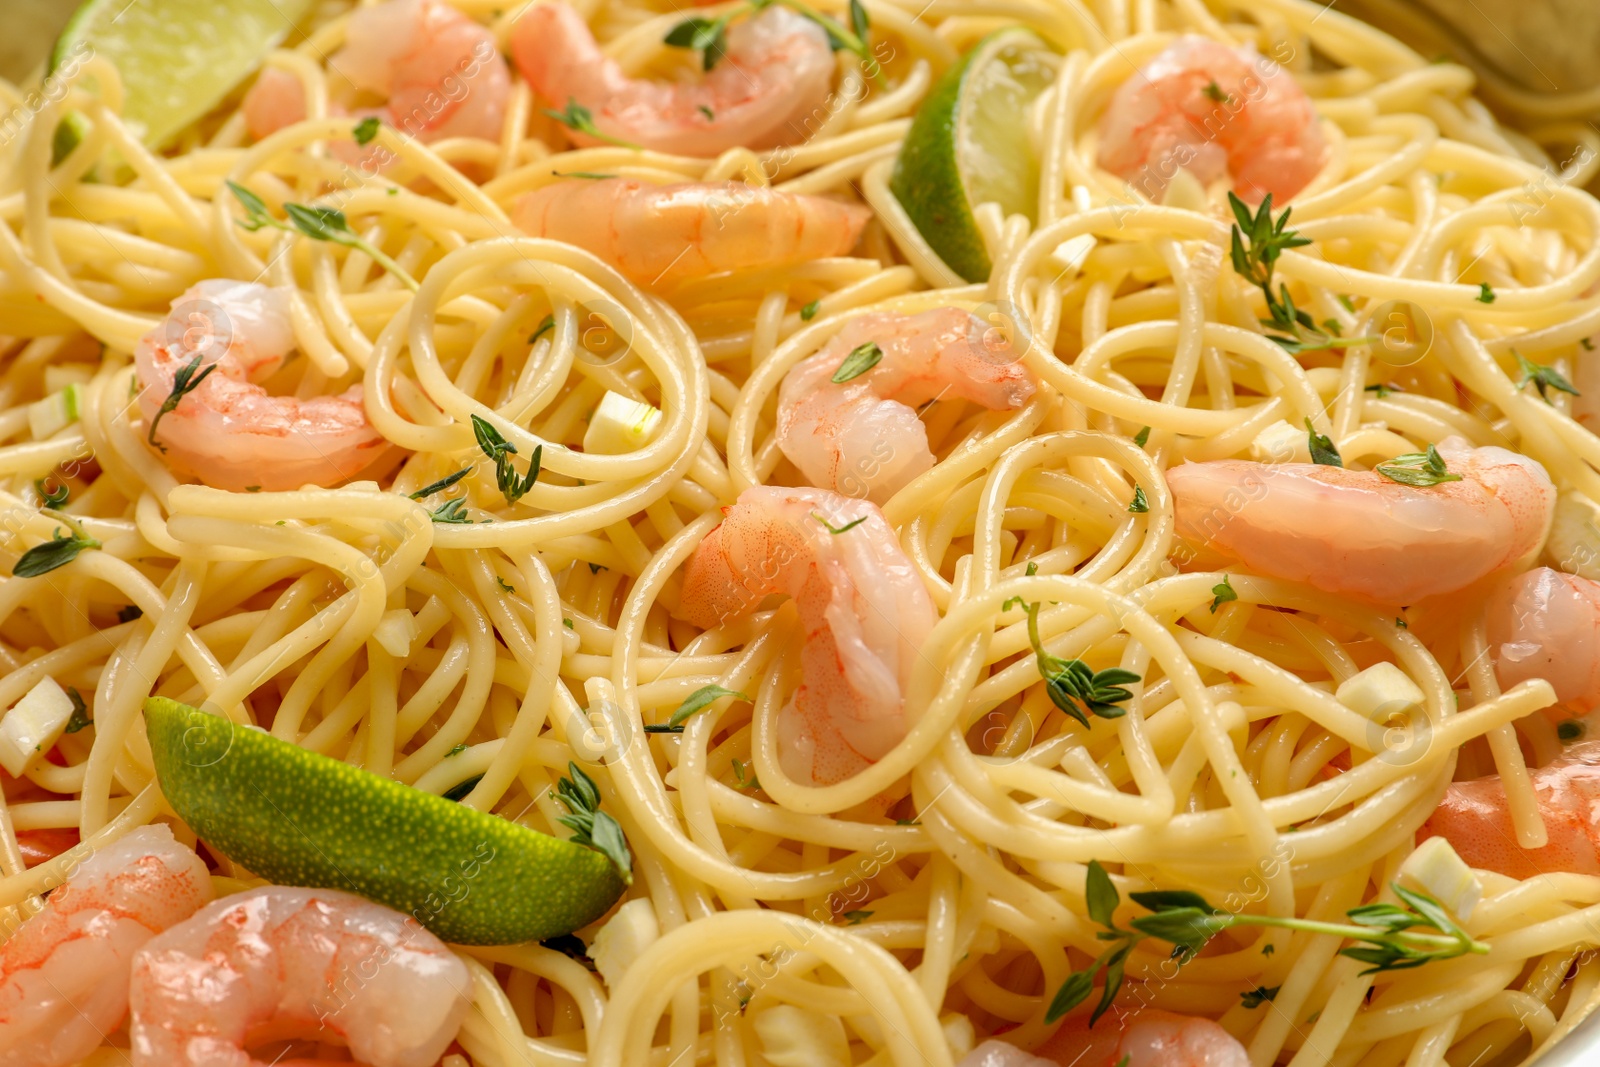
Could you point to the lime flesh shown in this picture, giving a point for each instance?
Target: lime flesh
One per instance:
(968, 145)
(178, 58)
(296, 818)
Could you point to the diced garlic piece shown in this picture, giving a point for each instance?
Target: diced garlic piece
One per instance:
(623, 938)
(58, 376)
(620, 424)
(1280, 443)
(54, 413)
(33, 725)
(1185, 192)
(395, 632)
(1435, 869)
(958, 1032)
(795, 1037)
(1071, 254)
(1574, 542)
(1379, 692)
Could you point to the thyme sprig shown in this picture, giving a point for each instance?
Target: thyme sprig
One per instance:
(1392, 937)
(1072, 685)
(317, 223)
(709, 36)
(1257, 242)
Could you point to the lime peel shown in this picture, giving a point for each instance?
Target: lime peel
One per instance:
(968, 145)
(298, 818)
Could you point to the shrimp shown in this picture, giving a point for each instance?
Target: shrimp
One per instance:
(1219, 112)
(774, 75)
(1473, 817)
(227, 431)
(865, 613)
(1357, 533)
(278, 962)
(438, 68)
(863, 438)
(1147, 1038)
(665, 234)
(1546, 624)
(41, 846)
(64, 974)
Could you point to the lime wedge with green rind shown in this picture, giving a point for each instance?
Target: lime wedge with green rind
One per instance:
(968, 145)
(296, 818)
(178, 58)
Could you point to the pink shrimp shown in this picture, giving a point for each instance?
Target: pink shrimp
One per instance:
(438, 68)
(64, 973)
(864, 610)
(1217, 111)
(1358, 533)
(1546, 624)
(1473, 817)
(862, 437)
(228, 431)
(773, 77)
(664, 234)
(277, 962)
(1147, 1038)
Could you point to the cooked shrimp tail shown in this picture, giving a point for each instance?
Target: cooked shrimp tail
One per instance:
(207, 417)
(660, 235)
(64, 973)
(773, 76)
(305, 963)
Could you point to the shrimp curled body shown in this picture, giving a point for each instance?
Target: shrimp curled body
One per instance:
(1546, 624)
(1147, 1038)
(64, 973)
(439, 69)
(775, 74)
(863, 608)
(228, 431)
(279, 962)
(665, 234)
(1217, 112)
(1356, 533)
(862, 437)
(1474, 818)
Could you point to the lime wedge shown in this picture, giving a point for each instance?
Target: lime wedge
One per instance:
(968, 145)
(297, 818)
(178, 58)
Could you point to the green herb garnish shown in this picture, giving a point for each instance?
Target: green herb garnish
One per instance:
(589, 824)
(80, 713)
(459, 791)
(1142, 437)
(365, 130)
(1323, 451)
(855, 917)
(1221, 593)
(1072, 685)
(130, 613)
(545, 325)
(836, 530)
(1420, 470)
(56, 552)
(52, 498)
(498, 449)
(698, 700)
(577, 117)
(317, 223)
(1140, 505)
(185, 381)
(858, 362)
(441, 485)
(1485, 294)
(809, 312)
(451, 511)
(1394, 937)
(1214, 91)
(1543, 378)
(1258, 996)
(1257, 242)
